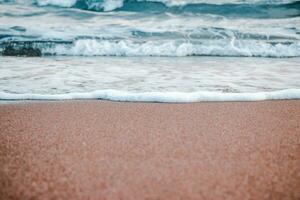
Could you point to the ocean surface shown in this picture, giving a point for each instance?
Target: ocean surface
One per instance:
(150, 50)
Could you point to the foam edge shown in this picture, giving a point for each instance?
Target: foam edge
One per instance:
(163, 97)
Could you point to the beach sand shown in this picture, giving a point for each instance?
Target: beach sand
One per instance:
(110, 150)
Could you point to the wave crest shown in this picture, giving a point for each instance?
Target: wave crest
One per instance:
(173, 48)
(93, 47)
(109, 5)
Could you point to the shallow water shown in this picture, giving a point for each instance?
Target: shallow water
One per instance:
(57, 75)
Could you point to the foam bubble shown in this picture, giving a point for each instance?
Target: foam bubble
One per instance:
(61, 3)
(168, 97)
(176, 48)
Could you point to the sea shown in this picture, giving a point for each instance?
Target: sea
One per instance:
(150, 50)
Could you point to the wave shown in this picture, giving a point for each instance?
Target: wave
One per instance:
(167, 97)
(93, 47)
(114, 4)
(231, 8)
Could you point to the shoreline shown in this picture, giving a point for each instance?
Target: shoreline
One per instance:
(46, 101)
(161, 97)
(120, 150)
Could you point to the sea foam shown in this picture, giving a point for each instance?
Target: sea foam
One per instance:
(62, 3)
(167, 97)
(175, 48)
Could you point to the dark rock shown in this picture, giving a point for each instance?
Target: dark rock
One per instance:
(21, 51)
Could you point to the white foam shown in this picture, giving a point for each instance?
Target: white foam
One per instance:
(112, 4)
(168, 97)
(61, 3)
(109, 5)
(176, 48)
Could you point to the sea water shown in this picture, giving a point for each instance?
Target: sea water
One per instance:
(150, 50)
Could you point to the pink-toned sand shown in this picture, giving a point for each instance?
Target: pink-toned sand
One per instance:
(105, 150)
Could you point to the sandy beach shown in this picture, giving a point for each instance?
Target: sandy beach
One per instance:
(110, 150)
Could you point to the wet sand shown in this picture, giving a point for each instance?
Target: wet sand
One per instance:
(108, 150)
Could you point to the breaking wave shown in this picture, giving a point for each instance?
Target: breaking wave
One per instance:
(179, 37)
(92, 47)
